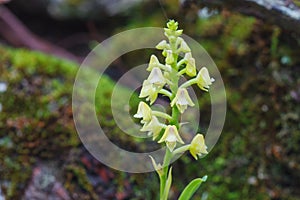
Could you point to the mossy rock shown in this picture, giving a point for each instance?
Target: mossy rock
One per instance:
(36, 122)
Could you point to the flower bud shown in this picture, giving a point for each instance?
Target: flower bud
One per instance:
(157, 167)
(190, 65)
(164, 53)
(172, 25)
(169, 58)
(178, 33)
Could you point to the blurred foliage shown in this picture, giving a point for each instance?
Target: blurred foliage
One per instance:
(257, 156)
(92, 9)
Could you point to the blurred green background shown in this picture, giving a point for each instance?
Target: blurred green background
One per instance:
(41, 156)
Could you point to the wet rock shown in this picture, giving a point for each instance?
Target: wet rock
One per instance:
(45, 184)
(83, 9)
(88, 9)
(1, 195)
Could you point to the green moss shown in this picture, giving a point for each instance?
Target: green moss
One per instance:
(260, 136)
(79, 174)
(36, 119)
(32, 127)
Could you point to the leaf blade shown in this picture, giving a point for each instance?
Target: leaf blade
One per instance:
(191, 188)
(168, 185)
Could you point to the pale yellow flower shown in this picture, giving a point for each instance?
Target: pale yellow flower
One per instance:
(156, 77)
(203, 79)
(171, 136)
(183, 45)
(198, 147)
(182, 100)
(144, 112)
(162, 45)
(153, 127)
(154, 62)
(149, 91)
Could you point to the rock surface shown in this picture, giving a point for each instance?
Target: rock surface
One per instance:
(284, 13)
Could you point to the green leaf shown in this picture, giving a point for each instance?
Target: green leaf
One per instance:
(168, 185)
(191, 188)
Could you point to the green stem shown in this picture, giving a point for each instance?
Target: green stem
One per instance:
(163, 178)
(162, 115)
(173, 119)
(181, 149)
(166, 92)
(181, 72)
(181, 62)
(164, 67)
(189, 83)
(175, 116)
(162, 186)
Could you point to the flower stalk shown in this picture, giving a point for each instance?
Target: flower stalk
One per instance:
(164, 80)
